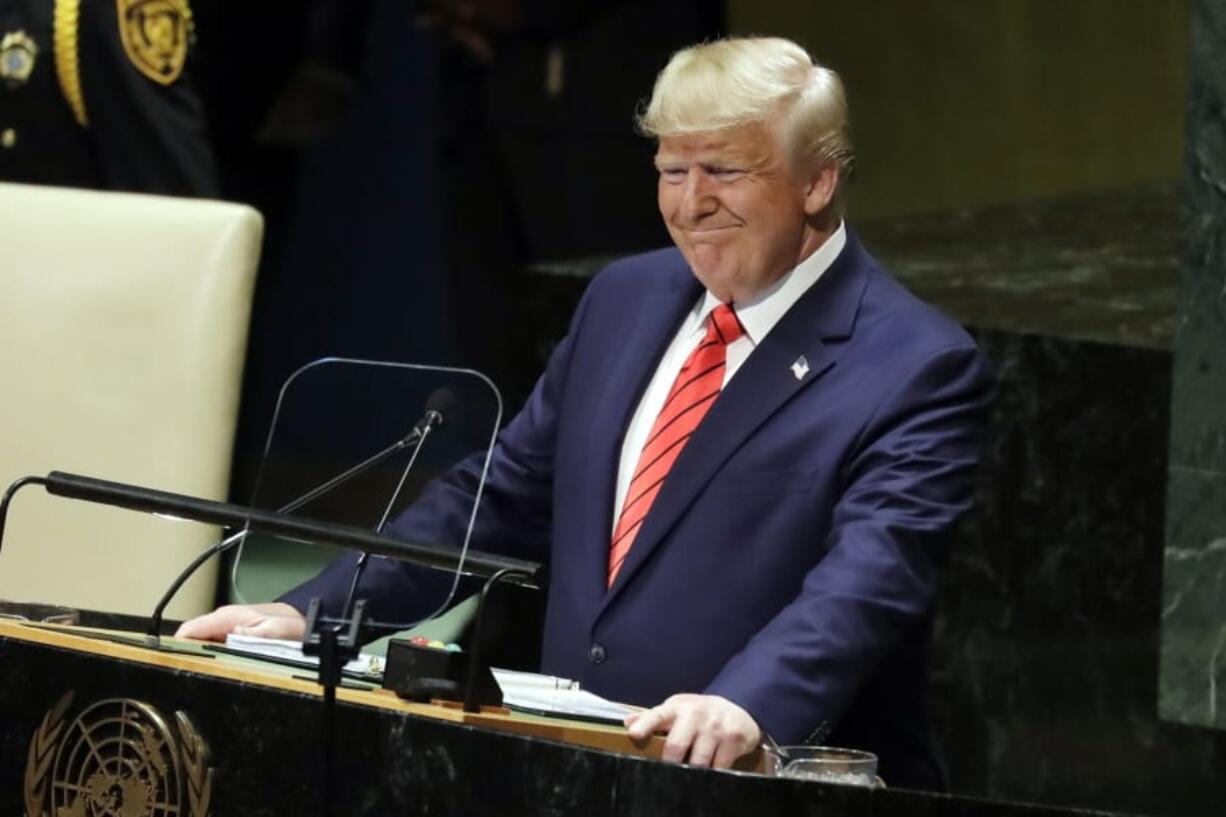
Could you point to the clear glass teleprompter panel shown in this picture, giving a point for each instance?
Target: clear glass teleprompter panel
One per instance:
(333, 416)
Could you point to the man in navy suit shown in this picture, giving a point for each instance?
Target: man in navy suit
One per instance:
(743, 462)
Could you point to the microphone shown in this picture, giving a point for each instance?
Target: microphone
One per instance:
(438, 404)
(431, 418)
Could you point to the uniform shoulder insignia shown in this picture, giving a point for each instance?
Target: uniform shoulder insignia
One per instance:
(154, 35)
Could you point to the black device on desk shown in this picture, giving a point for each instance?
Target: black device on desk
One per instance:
(421, 673)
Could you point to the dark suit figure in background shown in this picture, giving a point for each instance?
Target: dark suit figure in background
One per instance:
(538, 96)
(97, 93)
(743, 462)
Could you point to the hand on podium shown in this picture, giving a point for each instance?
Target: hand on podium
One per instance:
(271, 620)
(709, 729)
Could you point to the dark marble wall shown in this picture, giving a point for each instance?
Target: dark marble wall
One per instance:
(1095, 266)
(1046, 643)
(1193, 685)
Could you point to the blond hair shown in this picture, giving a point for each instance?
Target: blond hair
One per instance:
(739, 80)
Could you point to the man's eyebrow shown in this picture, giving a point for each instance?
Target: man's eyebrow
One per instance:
(745, 160)
(700, 157)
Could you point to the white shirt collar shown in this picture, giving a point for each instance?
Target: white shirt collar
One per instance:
(760, 314)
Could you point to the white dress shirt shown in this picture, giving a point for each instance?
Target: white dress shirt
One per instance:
(757, 316)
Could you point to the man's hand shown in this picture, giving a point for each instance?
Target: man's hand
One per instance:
(271, 620)
(710, 730)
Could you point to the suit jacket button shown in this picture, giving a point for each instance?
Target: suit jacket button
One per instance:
(596, 654)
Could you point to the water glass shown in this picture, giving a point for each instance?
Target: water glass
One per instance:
(829, 764)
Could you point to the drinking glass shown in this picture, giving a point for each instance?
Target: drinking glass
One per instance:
(829, 764)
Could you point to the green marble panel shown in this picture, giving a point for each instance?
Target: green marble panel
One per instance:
(1193, 656)
(1198, 404)
(1192, 688)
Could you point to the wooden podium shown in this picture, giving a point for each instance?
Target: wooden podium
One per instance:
(90, 727)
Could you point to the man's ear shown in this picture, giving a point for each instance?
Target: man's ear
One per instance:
(820, 187)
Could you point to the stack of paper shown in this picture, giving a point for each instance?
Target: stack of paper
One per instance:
(292, 651)
(547, 695)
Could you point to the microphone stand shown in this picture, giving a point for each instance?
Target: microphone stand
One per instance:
(432, 420)
(10, 493)
(476, 670)
(138, 498)
(336, 642)
(153, 636)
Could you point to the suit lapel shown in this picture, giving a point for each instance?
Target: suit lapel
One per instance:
(811, 330)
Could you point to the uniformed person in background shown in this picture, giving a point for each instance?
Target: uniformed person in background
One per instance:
(97, 93)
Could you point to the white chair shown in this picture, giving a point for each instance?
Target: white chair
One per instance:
(123, 330)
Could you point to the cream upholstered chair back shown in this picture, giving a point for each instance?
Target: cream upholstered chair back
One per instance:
(123, 330)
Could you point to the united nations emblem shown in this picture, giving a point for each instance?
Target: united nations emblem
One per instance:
(118, 758)
(154, 35)
(17, 53)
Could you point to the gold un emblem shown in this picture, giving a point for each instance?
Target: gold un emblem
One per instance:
(118, 758)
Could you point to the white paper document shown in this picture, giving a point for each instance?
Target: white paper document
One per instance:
(547, 695)
(292, 651)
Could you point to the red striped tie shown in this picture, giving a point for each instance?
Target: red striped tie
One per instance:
(692, 394)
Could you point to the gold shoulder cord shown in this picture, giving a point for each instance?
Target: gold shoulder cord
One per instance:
(67, 61)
